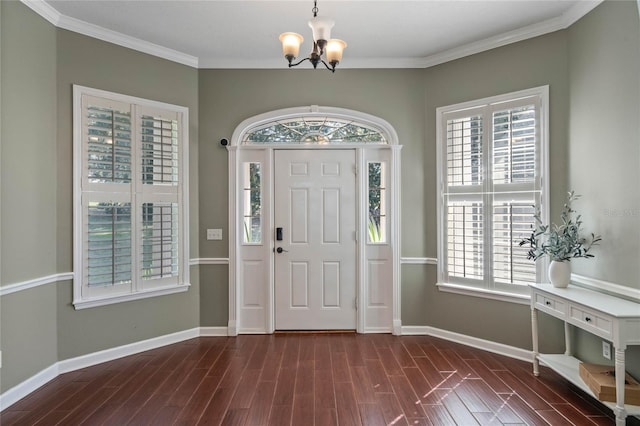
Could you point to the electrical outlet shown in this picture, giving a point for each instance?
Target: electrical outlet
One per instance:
(214, 234)
(606, 349)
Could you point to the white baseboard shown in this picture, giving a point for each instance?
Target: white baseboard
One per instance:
(18, 392)
(232, 328)
(213, 332)
(474, 342)
(121, 351)
(23, 389)
(397, 327)
(377, 330)
(259, 330)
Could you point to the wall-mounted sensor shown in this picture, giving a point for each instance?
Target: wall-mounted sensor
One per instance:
(224, 142)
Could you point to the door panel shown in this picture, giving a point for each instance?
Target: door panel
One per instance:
(315, 274)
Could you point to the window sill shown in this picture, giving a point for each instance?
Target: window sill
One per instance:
(110, 300)
(522, 299)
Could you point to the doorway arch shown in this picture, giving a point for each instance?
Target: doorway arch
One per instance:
(252, 230)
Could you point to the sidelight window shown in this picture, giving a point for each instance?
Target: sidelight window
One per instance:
(377, 221)
(252, 203)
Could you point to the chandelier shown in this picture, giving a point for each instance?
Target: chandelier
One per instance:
(326, 50)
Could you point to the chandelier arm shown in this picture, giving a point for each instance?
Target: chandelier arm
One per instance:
(332, 69)
(298, 63)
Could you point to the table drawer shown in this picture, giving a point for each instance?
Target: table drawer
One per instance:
(592, 321)
(551, 305)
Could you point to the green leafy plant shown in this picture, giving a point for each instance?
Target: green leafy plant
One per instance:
(560, 242)
(375, 233)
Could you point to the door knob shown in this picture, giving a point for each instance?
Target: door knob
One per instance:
(280, 250)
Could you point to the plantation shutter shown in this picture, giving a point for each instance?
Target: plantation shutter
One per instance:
(131, 197)
(490, 174)
(516, 189)
(108, 139)
(463, 196)
(107, 235)
(160, 215)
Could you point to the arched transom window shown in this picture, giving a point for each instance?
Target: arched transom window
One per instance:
(314, 130)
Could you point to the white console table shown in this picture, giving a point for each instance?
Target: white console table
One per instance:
(609, 317)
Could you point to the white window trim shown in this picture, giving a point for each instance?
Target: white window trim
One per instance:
(183, 285)
(521, 295)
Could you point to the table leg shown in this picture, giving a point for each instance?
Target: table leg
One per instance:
(534, 337)
(621, 413)
(567, 339)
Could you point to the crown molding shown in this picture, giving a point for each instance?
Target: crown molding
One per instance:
(551, 25)
(494, 42)
(65, 22)
(281, 63)
(580, 9)
(44, 9)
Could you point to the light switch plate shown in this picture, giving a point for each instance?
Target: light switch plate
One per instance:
(214, 234)
(606, 350)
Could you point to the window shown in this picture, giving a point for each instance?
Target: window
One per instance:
(252, 203)
(130, 198)
(377, 223)
(491, 163)
(314, 130)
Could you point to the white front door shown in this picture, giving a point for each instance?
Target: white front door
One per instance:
(315, 262)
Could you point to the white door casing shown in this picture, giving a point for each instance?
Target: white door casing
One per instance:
(315, 270)
(252, 271)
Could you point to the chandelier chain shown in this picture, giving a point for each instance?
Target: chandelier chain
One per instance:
(315, 8)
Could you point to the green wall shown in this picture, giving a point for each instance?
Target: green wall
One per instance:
(591, 69)
(89, 62)
(28, 184)
(29, 145)
(604, 148)
(604, 137)
(39, 65)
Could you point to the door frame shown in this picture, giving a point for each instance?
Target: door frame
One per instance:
(260, 317)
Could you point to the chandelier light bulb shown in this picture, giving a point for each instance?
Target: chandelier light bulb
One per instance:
(335, 47)
(321, 28)
(291, 44)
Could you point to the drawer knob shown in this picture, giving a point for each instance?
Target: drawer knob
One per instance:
(587, 319)
(548, 303)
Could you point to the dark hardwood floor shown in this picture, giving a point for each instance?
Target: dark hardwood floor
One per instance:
(307, 379)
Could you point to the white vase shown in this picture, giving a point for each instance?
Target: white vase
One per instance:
(560, 273)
